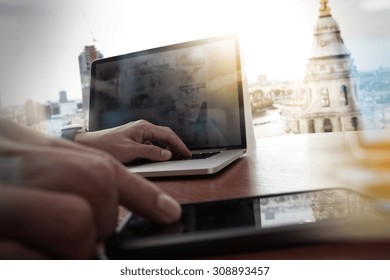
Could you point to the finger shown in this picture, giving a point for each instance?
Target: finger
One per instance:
(59, 225)
(150, 151)
(146, 199)
(169, 138)
(91, 176)
(165, 135)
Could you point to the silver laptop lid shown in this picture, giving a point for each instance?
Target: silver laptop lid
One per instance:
(195, 88)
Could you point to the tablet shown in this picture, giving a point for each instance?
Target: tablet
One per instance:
(245, 224)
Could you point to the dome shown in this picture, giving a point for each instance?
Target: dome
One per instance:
(326, 25)
(327, 40)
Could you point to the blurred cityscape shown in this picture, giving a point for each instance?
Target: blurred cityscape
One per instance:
(51, 116)
(333, 96)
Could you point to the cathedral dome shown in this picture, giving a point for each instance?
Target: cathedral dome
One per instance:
(327, 40)
(326, 24)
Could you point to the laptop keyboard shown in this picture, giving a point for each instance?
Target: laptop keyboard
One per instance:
(202, 155)
(194, 157)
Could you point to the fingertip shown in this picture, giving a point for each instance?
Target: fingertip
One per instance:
(189, 154)
(165, 154)
(169, 208)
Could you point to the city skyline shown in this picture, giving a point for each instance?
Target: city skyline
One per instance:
(41, 40)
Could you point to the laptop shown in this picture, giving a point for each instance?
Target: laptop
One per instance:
(195, 88)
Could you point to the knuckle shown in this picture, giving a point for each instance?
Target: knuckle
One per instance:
(151, 151)
(168, 129)
(103, 167)
(103, 176)
(156, 152)
(141, 122)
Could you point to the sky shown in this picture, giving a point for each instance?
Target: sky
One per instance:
(40, 40)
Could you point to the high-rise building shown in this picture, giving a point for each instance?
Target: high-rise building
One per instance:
(89, 54)
(63, 96)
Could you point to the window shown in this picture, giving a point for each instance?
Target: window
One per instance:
(344, 95)
(355, 123)
(328, 127)
(311, 127)
(324, 97)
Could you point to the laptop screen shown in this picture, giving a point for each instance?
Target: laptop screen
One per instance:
(195, 88)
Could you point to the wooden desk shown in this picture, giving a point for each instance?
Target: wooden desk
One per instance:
(275, 165)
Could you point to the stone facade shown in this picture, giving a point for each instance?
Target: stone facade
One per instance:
(326, 100)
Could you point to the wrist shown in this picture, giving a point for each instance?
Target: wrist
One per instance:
(71, 132)
(80, 136)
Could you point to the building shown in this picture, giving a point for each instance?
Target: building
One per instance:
(326, 100)
(63, 96)
(89, 54)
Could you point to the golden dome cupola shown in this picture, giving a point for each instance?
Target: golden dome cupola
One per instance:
(324, 9)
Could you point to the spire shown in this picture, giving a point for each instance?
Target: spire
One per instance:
(324, 9)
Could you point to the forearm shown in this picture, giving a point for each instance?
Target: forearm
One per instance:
(89, 139)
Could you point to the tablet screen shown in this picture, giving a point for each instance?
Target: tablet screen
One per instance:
(256, 212)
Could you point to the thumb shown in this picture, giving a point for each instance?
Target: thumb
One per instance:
(152, 152)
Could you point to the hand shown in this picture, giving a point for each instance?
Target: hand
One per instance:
(133, 140)
(58, 198)
(37, 224)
